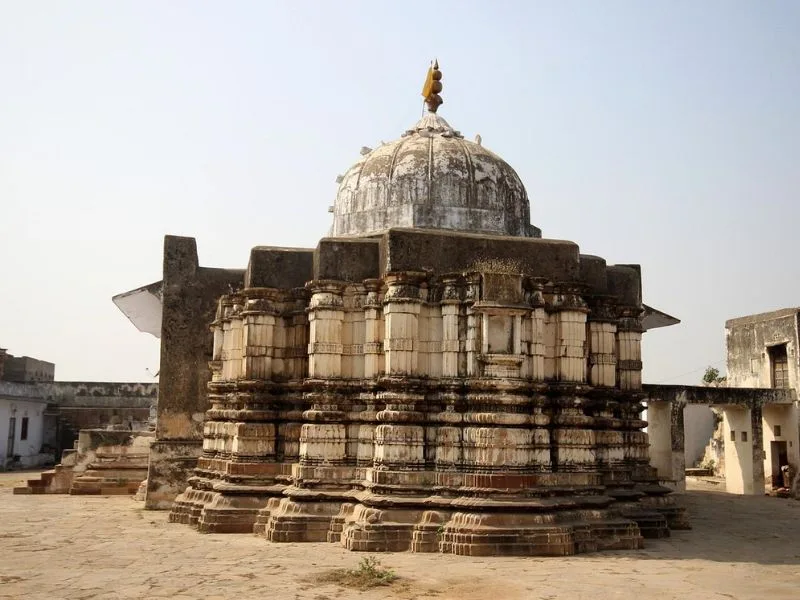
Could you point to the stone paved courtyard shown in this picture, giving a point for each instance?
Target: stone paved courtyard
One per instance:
(106, 548)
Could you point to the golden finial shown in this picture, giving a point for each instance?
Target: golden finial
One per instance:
(432, 87)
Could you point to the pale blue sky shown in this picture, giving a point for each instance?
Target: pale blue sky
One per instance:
(652, 132)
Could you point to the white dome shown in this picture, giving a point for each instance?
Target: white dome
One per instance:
(432, 178)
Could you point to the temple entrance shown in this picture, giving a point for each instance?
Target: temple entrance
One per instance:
(780, 458)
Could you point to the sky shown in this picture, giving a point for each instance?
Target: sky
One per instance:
(663, 133)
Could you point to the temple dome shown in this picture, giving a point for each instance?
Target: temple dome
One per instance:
(435, 179)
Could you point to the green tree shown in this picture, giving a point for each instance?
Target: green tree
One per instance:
(711, 376)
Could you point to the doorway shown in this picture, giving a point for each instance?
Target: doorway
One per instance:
(780, 458)
(12, 433)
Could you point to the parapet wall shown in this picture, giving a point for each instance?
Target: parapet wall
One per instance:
(94, 394)
(76, 405)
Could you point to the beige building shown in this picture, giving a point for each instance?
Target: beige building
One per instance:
(763, 353)
(22, 415)
(760, 429)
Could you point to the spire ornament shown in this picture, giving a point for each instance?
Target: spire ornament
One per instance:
(432, 88)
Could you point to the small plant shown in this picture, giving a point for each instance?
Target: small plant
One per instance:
(368, 574)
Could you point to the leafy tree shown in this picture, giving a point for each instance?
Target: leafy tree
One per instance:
(711, 376)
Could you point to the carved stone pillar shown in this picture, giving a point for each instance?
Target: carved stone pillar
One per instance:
(570, 339)
(259, 315)
(451, 311)
(215, 365)
(472, 294)
(297, 336)
(629, 349)
(373, 330)
(401, 311)
(353, 333)
(602, 345)
(231, 322)
(325, 316)
(534, 328)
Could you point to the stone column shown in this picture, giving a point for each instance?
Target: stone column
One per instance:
(399, 438)
(232, 334)
(373, 330)
(215, 365)
(602, 345)
(297, 336)
(325, 316)
(629, 349)
(537, 318)
(571, 349)
(258, 336)
(472, 293)
(353, 332)
(401, 310)
(451, 309)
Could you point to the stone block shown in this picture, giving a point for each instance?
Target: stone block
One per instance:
(284, 268)
(443, 252)
(352, 260)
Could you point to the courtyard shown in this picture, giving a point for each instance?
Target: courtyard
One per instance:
(94, 547)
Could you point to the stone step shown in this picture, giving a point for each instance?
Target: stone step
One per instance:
(124, 457)
(117, 464)
(116, 474)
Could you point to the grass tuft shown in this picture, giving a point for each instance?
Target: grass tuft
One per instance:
(368, 574)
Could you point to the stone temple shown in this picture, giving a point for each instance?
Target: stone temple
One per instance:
(432, 377)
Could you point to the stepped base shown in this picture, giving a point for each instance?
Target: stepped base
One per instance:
(489, 533)
(560, 527)
(222, 507)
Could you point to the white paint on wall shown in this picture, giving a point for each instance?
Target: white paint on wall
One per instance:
(28, 449)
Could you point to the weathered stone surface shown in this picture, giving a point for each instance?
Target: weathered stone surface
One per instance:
(435, 179)
(190, 294)
(169, 467)
(104, 462)
(444, 252)
(347, 259)
(443, 381)
(483, 412)
(279, 267)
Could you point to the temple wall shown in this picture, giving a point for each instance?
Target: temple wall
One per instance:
(374, 388)
(190, 295)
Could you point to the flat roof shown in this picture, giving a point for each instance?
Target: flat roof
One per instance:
(759, 317)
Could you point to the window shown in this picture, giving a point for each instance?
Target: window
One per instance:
(744, 436)
(23, 430)
(777, 431)
(780, 366)
(733, 435)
